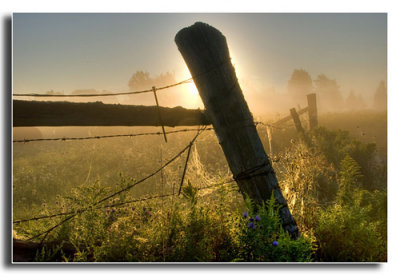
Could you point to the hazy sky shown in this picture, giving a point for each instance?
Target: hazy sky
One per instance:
(65, 52)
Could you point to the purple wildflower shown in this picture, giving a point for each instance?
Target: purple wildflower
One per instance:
(133, 208)
(258, 218)
(275, 243)
(251, 225)
(251, 219)
(245, 214)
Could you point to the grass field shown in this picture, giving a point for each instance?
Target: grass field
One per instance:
(336, 190)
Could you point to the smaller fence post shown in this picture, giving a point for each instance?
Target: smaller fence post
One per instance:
(269, 134)
(159, 113)
(312, 110)
(296, 120)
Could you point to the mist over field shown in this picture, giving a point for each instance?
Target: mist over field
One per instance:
(306, 183)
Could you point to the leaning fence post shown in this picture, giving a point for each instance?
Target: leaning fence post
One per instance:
(312, 110)
(299, 128)
(296, 120)
(206, 54)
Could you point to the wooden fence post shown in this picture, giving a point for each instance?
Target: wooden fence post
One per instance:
(312, 110)
(206, 54)
(296, 121)
(269, 133)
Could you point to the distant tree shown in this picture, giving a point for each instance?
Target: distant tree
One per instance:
(380, 97)
(142, 80)
(299, 85)
(329, 94)
(354, 102)
(51, 92)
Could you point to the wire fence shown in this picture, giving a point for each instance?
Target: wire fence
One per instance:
(110, 136)
(185, 130)
(189, 80)
(99, 204)
(151, 90)
(121, 204)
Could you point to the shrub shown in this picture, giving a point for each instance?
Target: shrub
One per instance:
(260, 238)
(336, 144)
(347, 234)
(354, 229)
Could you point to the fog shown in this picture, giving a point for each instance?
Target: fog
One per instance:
(265, 101)
(330, 96)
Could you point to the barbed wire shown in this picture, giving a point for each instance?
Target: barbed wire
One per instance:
(73, 214)
(189, 80)
(119, 204)
(110, 136)
(130, 186)
(143, 179)
(131, 135)
(244, 175)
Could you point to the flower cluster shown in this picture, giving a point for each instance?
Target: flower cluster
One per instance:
(252, 221)
(253, 224)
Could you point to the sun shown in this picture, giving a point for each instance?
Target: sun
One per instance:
(192, 97)
(193, 89)
(190, 93)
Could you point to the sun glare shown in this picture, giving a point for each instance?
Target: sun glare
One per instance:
(192, 97)
(192, 89)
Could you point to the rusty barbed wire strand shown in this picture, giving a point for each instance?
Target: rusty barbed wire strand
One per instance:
(120, 203)
(130, 135)
(51, 229)
(152, 174)
(244, 175)
(137, 182)
(150, 90)
(108, 94)
(109, 136)
(46, 232)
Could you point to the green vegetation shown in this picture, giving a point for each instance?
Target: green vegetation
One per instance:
(335, 188)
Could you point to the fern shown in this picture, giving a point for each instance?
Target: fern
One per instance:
(350, 177)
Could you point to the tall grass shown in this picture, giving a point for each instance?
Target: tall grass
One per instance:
(335, 188)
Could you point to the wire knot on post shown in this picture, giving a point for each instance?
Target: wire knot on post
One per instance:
(250, 173)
